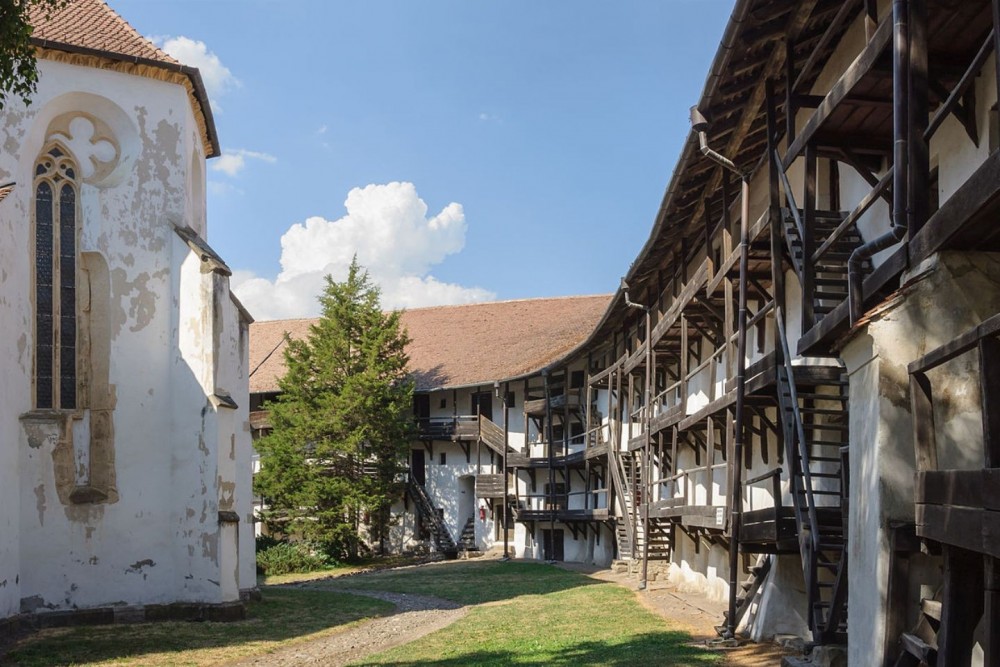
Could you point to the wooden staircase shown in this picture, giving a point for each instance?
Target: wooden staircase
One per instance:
(467, 540)
(815, 427)
(920, 645)
(439, 531)
(747, 593)
(627, 475)
(830, 271)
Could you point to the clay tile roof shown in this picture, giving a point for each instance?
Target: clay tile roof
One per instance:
(458, 346)
(93, 29)
(92, 24)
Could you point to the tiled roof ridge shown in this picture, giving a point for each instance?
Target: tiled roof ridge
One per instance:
(82, 12)
(532, 300)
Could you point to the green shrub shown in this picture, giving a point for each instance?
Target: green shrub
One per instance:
(286, 557)
(265, 542)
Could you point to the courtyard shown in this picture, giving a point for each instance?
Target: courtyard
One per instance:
(477, 612)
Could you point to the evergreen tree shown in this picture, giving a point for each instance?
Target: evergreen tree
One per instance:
(342, 423)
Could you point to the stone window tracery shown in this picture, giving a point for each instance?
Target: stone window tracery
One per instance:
(56, 262)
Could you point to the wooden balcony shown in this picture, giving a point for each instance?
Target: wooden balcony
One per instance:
(960, 508)
(560, 400)
(454, 429)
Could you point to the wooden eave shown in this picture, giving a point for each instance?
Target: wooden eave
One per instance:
(733, 101)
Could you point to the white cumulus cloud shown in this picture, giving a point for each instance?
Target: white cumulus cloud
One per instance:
(233, 161)
(194, 53)
(388, 228)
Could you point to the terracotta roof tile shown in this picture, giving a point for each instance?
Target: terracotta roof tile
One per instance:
(456, 346)
(92, 24)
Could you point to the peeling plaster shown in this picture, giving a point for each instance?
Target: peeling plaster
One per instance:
(33, 603)
(210, 547)
(138, 565)
(40, 503)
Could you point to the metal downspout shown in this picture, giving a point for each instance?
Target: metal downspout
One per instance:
(736, 507)
(700, 125)
(900, 159)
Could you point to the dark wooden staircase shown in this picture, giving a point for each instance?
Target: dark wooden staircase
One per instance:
(429, 514)
(748, 590)
(815, 428)
(467, 541)
(829, 272)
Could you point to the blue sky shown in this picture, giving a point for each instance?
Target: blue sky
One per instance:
(539, 135)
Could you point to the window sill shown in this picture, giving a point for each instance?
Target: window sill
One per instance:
(46, 415)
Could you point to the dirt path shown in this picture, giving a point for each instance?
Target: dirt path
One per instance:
(415, 616)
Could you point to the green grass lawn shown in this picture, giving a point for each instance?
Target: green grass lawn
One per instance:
(600, 624)
(282, 616)
(540, 615)
(522, 614)
(468, 582)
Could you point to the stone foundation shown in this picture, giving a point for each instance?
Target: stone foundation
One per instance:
(225, 612)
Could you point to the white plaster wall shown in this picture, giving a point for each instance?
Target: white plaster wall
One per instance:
(780, 604)
(952, 149)
(952, 292)
(158, 543)
(704, 570)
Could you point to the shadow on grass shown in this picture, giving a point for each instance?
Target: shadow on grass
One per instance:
(465, 582)
(281, 615)
(657, 648)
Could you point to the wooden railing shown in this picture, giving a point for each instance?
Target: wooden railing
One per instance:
(458, 427)
(774, 478)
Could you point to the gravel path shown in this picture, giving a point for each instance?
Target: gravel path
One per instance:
(415, 616)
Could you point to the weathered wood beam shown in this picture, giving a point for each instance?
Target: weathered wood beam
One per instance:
(952, 103)
(859, 166)
(774, 62)
(850, 78)
(845, 11)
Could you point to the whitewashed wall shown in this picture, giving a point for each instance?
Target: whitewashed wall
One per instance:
(158, 540)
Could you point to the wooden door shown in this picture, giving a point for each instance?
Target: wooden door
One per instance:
(553, 548)
(418, 466)
(482, 403)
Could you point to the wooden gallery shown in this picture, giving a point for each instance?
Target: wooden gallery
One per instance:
(791, 401)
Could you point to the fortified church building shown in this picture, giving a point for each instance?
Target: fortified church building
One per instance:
(124, 438)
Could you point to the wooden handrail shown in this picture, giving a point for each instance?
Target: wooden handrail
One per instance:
(866, 202)
(789, 196)
(800, 431)
(761, 478)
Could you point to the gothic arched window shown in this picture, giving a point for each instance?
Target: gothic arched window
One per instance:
(56, 255)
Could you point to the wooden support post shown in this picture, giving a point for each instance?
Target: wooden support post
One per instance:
(991, 620)
(809, 239)
(871, 18)
(897, 594)
(961, 605)
(790, 107)
(996, 42)
(774, 204)
(922, 407)
(684, 358)
(709, 476)
(730, 443)
(989, 379)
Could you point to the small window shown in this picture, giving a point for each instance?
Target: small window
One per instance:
(444, 403)
(510, 399)
(576, 380)
(444, 458)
